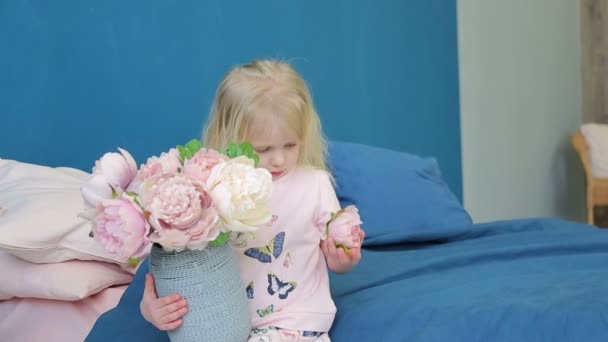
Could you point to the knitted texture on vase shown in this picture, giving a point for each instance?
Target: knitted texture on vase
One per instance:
(209, 280)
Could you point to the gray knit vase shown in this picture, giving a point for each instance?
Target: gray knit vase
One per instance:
(209, 279)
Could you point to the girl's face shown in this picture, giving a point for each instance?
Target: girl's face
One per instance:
(277, 145)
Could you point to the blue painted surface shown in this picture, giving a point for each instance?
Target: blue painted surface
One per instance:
(79, 78)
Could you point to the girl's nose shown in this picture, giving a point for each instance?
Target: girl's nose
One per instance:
(277, 159)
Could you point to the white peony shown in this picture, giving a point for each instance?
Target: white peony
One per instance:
(241, 194)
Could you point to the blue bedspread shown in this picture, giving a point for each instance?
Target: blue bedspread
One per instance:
(521, 280)
(517, 280)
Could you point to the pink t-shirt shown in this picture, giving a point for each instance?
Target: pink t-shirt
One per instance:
(283, 267)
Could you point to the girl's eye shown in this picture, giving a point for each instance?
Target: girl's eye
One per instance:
(290, 145)
(262, 149)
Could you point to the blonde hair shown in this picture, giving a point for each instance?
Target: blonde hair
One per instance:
(259, 84)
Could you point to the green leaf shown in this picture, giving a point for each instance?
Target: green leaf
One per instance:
(231, 152)
(183, 152)
(242, 149)
(246, 149)
(138, 203)
(193, 146)
(256, 160)
(114, 192)
(220, 240)
(133, 261)
(346, 249)
(189, 150)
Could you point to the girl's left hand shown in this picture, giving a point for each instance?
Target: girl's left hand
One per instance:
(337, 259)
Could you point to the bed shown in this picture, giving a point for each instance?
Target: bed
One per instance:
(428, 273)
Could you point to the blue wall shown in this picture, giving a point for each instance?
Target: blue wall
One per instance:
(79, 78)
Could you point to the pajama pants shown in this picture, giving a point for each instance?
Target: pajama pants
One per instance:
(272, 334)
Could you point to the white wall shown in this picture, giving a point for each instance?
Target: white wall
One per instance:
(520, 93)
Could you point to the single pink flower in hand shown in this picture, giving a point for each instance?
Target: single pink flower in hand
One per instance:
(344, 227)
(200, 165)
(121, 228)
(112, 171)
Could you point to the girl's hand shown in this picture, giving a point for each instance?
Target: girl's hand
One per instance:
(164, 313)
(337, 259)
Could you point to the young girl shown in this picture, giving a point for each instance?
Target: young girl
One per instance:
(284, 267)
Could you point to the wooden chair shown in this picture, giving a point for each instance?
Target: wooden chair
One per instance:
(597, 188)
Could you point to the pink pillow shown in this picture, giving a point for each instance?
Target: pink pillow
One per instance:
(39, 219)
(68, 280)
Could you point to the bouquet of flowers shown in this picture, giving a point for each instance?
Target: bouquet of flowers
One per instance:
(187, 198)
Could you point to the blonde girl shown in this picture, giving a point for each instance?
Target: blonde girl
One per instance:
(284, 267)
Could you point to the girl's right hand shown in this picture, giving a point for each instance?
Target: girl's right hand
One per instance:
(164, 313)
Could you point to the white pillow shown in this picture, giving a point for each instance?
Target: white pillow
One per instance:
(596, 136)
(69, 280)
(40, 222)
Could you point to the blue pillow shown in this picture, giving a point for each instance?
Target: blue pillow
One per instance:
(395, 192)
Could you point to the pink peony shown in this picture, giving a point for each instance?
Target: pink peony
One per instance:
(112, 171)
(120, 227)
(179, 203)
(200, 165)
(344, 227)
(166, 163)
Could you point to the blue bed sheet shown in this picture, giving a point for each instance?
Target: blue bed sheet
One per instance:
(516, 280)
(520, 280)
